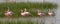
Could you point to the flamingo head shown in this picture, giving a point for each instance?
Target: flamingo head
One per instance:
(49, 10)
(8, 10)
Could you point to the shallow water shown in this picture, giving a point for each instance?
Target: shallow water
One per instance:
(48, 20)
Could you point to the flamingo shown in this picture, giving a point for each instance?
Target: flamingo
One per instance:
(52, 14)
(8, 13)
(42, 14)
(25, 13)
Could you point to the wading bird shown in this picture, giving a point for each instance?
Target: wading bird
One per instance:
(52, 14)
(8, 13)
(42, 15)
(25, 12)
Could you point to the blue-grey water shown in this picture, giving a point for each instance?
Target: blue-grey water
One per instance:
(48, 19)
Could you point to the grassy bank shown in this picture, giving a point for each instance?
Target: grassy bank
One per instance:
(31, 7)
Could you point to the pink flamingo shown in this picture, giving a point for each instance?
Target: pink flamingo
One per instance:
(8, 13)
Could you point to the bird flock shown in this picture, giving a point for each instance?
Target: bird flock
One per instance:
(24, 12)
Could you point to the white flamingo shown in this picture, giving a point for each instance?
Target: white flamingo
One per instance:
(40, 13)
(52, 14)
(25, 13)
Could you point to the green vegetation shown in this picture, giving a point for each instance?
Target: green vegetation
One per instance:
(31, 7)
